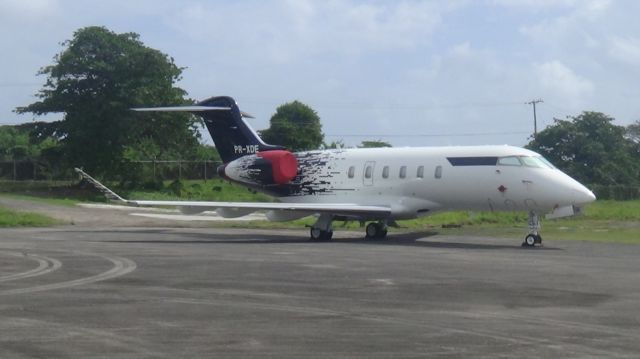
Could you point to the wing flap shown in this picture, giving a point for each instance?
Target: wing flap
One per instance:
(337, 208)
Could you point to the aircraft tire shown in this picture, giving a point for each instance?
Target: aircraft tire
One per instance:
(375, 231)
(372, 230)
(317, 234)
(530, 240)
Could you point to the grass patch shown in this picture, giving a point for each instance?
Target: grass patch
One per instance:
(64, 193)
(602, 221)
(199, 190)
(69, 193)
(67, 202)
(10, 218)
(610, 210)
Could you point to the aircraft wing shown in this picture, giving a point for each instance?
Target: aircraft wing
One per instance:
(243, 208)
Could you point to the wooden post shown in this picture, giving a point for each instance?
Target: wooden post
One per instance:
(205, 171)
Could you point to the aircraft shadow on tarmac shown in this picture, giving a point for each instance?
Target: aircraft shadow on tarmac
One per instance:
(414, 239)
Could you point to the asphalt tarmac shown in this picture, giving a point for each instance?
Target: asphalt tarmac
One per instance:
(234, 293)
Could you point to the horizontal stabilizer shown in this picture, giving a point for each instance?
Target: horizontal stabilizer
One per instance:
(188, 109)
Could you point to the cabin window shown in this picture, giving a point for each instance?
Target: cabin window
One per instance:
(368, 172)
(352, 171)
(509, 161)
(420, 173)
(438, 172)
(403, 172)
(385, 172)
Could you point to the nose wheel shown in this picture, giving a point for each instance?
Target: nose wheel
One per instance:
(534, 237)
(530, 240)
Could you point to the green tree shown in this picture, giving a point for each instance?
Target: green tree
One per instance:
(95, 81)
(295, 126)
(590, 148)
(334, 144)
(633, 132)
(374, 144)
(14, 144)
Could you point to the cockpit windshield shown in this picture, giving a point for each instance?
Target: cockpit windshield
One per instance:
(529, 161)
(546, 162)
(537, 161)
(509, 161)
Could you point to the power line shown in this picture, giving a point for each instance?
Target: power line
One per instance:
(360, 105)
(379, 135)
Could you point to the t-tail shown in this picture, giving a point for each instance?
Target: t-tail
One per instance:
(232, 136)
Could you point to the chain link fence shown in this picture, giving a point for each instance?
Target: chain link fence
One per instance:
(150, 170)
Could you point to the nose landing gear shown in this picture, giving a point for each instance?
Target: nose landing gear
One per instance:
(534, 237)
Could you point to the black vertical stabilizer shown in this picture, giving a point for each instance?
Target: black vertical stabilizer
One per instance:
(232, 136)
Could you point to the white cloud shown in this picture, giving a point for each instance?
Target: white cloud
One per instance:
(626, 50)
(27, 8)
(535, 3)
(563, 83)
(304, 29)
(571, 24)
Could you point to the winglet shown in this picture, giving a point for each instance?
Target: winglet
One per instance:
(102, 188)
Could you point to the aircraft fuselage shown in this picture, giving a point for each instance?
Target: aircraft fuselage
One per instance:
(418, 180)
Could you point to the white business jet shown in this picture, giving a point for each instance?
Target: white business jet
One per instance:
(378, 185)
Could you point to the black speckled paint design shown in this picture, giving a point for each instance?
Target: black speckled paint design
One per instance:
(317, 173)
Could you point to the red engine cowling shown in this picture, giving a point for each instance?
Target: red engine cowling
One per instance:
(284, 165)
(263, 169)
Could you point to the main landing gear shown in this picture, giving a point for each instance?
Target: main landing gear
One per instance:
(534, 237)
(376, 230)
(319, 235)
(322, 230)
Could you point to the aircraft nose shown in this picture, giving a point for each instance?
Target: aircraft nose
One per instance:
(583, 195)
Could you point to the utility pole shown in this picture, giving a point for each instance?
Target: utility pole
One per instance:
(535, 120)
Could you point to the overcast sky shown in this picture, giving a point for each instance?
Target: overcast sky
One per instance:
(408, 72)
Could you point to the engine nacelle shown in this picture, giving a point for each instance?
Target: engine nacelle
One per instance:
(264, 168)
